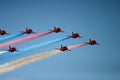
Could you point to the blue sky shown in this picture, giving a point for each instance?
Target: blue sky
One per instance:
(96, 19)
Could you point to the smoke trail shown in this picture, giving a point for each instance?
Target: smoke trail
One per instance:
(24, 61)
(17, 41)
(40, 45)
(46, 43)
(3, 52)
(10, 37)
(43, 44)
(27, 60)
(77, 45)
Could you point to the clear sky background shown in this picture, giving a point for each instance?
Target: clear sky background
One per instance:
(96, 19)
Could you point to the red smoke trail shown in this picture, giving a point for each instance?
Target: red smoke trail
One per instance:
(77, 45)
(17, 41)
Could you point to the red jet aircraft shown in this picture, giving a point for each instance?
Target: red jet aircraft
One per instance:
(56, 30)
(75, 35)
(63, 48)
(28, 31)
(12, 49)
(92, 42)
(3, 32)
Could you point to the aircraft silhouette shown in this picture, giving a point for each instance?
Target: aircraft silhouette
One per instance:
(28, 31)
(92, 42)
(63, 48)
(12, 49)
(56, 30)
(75, 35)
(3, 32)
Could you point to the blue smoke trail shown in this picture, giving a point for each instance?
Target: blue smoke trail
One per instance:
(10, 37)
(23, 51)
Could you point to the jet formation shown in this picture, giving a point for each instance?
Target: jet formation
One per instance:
(55, 30)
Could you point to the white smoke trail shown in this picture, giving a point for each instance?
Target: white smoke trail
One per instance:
(3, 52)
(27, 60)
(24, 61)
